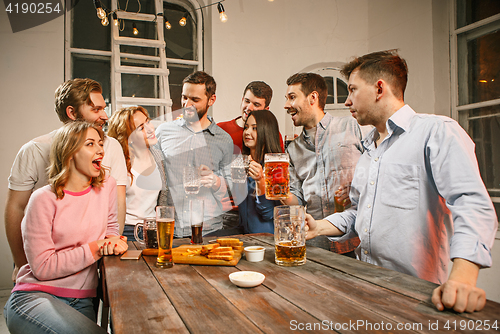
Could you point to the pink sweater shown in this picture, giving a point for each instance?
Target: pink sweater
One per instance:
(59, 237)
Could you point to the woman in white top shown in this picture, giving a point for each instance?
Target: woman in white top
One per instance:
(147, 186)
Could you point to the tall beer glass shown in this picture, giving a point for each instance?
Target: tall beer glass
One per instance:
(165, 221)
(289, 235)
(276, 175)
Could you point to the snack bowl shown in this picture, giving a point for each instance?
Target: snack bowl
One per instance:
(254, 253)
(246, 279)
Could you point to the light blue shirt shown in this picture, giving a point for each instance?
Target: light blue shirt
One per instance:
(316, 164)
(418, 198)
(182, 146)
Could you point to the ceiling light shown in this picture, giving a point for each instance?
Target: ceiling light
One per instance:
(222, 13)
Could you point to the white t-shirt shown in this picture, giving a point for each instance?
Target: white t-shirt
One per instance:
(29, 170)
(142, 196)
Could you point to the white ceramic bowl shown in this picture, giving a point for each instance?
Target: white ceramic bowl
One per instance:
(246, 279)
(254, 253)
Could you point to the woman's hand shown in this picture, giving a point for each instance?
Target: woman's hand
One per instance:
(112, 246)
(256, 172)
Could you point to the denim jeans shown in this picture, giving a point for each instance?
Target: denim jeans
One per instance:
(40, 312)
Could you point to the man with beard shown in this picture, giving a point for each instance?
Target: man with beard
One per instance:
(76, 99)
(324, 155)
(195, 140)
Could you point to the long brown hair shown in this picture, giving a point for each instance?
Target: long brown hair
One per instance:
(268, 134)
(121, 125)
(67, 141)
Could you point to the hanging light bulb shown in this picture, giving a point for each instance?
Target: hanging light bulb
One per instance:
(222, 13)
(134, 29)
(167, 23)
(183, 21)
(115, 19)
(105, 21)
(101, 13)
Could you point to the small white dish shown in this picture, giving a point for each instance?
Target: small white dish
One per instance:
(254, 253)
(246, 279)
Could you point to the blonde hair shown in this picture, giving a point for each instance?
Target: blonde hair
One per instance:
(67, 141)
(121, 125)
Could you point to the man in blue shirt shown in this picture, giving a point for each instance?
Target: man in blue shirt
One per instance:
(196, 140)
(417, 196)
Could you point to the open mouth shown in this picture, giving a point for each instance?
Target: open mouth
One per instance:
(291, 112)
(97, 164)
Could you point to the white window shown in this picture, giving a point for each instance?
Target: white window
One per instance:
(475, 51)
(89, 47)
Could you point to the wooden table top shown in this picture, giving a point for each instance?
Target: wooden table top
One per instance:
(330, 293)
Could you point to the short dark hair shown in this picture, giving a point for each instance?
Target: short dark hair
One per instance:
(268, 134)
(260, 90)
(310, 82)
(74, 93)
(387, 65)
(202, 78)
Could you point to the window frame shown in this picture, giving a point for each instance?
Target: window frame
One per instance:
(191, 6)
(459, 112)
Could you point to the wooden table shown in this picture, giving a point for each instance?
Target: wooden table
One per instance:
(330, 293)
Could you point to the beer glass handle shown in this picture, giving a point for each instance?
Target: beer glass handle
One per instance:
(136, 233)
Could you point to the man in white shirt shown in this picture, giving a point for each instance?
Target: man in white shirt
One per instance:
(76, 99)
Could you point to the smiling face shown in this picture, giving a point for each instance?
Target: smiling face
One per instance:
(299, 107)
(250, 133)
(86, 162)
(194, 95)
(144, 129)
(93, 113)
(249, 103)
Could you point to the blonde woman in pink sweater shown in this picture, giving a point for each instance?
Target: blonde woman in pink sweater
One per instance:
(69, 225)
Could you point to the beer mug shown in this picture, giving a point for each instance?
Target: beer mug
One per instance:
(289, 235)
(239, 168)
(191, 179)
(149, 237)
(276, 175)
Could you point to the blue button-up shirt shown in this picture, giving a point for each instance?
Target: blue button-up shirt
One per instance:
(418, 198)
(182, 146)
(317, 164)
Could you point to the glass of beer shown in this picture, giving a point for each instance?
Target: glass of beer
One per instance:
(165, 221)
(289, 235)
(276, 175)
(149, 233)
(239, 168)
(196, 218)
(191, 180)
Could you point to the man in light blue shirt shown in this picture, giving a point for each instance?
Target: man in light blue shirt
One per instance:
(324, 155)
(196, 140)
(417, 196)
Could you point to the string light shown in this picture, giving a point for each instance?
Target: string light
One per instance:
(167, 24)
(134, 28)
(183, 20)
(222, 13)
(105, 21)
(115, 19)
(101, 13)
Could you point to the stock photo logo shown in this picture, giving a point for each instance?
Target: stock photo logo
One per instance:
(26, 14)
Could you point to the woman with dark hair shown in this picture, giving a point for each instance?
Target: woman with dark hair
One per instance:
(260, 136)
(147, 186)
(69, 224)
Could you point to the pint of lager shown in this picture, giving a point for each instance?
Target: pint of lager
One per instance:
(165, 222)
(289, 235)
(276, 175)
